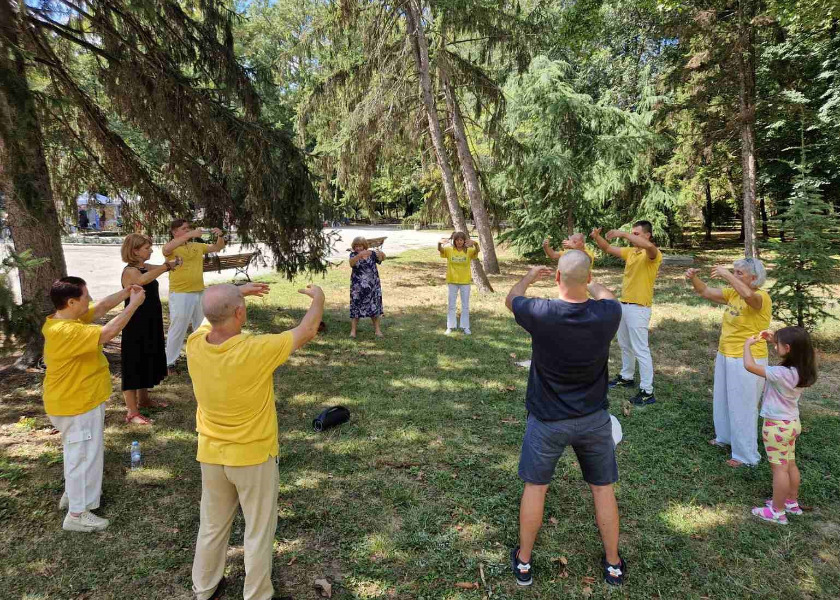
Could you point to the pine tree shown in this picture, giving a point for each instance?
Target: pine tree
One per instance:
(805, 265)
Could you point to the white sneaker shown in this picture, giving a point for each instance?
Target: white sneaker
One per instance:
(467, 332)
(448, 331)
(86, 522)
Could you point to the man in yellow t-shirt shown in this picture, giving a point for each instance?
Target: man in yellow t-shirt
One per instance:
(76, 385)
(737, 392)
(233, 381)
(186, 284)
(458, 277)
(642, 260)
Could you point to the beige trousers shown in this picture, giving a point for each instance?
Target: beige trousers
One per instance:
(254, 488)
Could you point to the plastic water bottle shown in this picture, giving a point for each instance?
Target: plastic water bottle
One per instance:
(135, 455)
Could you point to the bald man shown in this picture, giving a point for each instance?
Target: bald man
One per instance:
(233, 379)
(567, 401)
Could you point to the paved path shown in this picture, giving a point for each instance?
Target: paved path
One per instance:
(101, 266)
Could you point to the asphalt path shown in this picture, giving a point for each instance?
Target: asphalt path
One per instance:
(101, 265)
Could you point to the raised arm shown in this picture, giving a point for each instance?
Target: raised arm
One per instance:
(133, 276)
(440, 245)
(703, 290)
(361, 255)
(101, 308)
(520, 287)
(308, 327)
(115, 325)
(603, 244)
(746, 292)
(169, 247)
(749, 362)
(599, 292)
(637, 240)
(219, 243)
(549, 251)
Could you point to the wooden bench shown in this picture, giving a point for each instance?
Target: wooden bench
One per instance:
(240, 262)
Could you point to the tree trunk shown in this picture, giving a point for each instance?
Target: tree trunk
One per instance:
(708, 212)
(746, 74)
(421, 58)
(471, 182)
(32, 216)
(765, 233)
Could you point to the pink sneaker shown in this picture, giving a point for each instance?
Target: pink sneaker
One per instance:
(765, 513)
(791, 506)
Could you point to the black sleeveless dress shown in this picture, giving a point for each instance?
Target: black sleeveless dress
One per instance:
(143, 347)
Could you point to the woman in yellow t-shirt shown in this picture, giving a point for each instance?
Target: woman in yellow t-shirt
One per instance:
(737, 392)
(458, 276)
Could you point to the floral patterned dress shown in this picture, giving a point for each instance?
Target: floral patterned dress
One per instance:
(365, 289)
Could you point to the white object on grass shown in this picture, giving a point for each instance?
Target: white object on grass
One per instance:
(616, 430)
(524, 363)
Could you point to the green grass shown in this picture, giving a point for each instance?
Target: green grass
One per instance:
(419, 491)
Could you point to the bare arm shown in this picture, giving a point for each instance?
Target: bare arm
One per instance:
(115, 325)
(551, 252)
(359, 256)
(220, 241)
(703, 290)
(520, 287)
(308, 327)
(600, 292)
(746, 292)
(169, 247)
(133, 276)
(638, 241)
(101, 308)
(749, 362)
(603, 244)
(440, 246)
(380, 254)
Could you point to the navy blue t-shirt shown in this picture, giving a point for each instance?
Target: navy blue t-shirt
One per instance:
(570, 345)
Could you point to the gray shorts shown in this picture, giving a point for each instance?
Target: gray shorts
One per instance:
(589, 436)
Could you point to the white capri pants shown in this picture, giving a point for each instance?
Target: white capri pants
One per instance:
(633, 341)
(464, 289)
(184, 310)
(735, 407)
(84, 458)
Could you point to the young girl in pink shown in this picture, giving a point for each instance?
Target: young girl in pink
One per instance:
(780, 409)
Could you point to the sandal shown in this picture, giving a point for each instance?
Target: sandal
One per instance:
(734, 463)
(137, 419)
(714, 442)
(154, 404)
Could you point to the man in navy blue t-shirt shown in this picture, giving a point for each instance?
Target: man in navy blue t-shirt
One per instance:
(567, 401)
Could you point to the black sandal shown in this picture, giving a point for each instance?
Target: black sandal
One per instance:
(614, 574)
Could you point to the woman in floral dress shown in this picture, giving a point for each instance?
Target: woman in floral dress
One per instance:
(365, 289)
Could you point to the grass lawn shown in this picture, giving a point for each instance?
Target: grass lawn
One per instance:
(419, 491)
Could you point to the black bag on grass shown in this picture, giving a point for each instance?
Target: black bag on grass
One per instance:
(331, 417)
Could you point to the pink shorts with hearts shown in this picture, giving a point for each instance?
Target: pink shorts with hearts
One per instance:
(780, 440)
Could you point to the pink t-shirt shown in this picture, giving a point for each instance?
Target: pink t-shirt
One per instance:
(781, 396)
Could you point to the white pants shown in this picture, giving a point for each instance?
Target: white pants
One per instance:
(184, 310)
(84, 458)
(465, 305)
(633, 341)
(735, 407)
(223, 490)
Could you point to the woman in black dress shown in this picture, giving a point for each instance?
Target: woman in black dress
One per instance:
(143, 349)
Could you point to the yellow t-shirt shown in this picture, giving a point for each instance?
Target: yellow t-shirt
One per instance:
(741, 321)
(458, 264)
(77, 379)
(233, 384)
(639, 276)
(189, 277)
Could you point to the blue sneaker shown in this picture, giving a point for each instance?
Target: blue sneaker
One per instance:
(643, 398)
(522, 571)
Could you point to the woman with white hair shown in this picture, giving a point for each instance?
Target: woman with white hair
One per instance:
(737, 391)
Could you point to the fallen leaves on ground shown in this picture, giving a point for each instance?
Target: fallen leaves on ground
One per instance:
(467, 585)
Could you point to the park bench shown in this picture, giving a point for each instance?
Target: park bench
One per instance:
(240, 262)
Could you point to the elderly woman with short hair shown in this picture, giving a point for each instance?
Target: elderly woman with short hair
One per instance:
(365, 287)
(143, 351)
(737, 392)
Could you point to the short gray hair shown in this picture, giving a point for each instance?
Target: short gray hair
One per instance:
(755, 267)
(220, 301)
(574, 267)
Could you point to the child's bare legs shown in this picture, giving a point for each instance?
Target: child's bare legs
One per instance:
(376, 321)
(781, 485)
(793, 472)
(353, 324)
